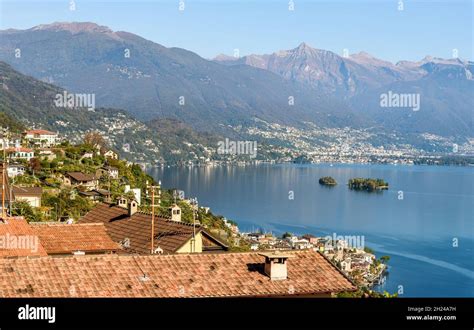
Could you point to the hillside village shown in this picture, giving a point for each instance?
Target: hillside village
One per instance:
(52, 180)
(83, 199)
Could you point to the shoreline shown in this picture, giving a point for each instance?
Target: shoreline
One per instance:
(240, 164)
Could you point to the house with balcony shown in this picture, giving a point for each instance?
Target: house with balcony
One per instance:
(21, 153)
(41, 138)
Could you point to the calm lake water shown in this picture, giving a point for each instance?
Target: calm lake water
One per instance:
(417, 231)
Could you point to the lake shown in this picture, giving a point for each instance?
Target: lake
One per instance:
(424, 222)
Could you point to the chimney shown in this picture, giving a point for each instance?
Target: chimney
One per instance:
(122, 202)
(175, 211)
(276, 265)
(132, 207)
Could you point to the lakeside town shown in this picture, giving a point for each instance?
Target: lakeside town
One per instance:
(72, 196)
(313, 144)
(277, 144)
(347, 252)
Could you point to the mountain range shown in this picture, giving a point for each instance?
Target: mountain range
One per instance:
(303, 84)
(26, 102)
(344, 76)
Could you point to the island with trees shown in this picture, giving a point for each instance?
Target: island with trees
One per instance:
(327, 181)
(367, 184)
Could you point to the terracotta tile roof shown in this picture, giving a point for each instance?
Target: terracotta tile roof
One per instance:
(17, 239)
(20, 149)
(169, 235)
(40, 131)
(178, 275)
(27, 191)
(67, 238)
(96, 193)
(79, 176)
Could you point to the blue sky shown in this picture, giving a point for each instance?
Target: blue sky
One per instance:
(264, 26)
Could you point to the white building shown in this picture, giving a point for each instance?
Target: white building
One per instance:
(111, 154)
(41, 138)
(8, 144)
(136, 192)
(31, 195)
(14, 170)
(46, 153)
(21, 153)
(346, 265)
(113, 172)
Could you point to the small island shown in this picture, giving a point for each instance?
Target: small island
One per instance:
(367, 184)
(327, 181)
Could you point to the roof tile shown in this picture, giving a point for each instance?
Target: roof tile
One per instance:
(169, 235)
(178, 275)
(67, 238)
(18, 239)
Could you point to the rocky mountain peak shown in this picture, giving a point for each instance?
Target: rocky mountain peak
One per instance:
(73, 27)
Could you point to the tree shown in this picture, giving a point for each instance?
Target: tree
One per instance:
(287, 234)
(94, 140)
(368, 250)
(24, 209)
(385, 259)
(34, 165)
(327, 181)
(367, 184)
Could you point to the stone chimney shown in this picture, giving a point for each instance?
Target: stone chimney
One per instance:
(175, 211)
(276, 265)
(132, 207)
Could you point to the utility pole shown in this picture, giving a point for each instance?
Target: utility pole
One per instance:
(11, 193)
(3, 186)
(194, 203)
(4, 169)
(153, 212)
(152, 217)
